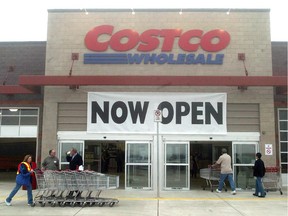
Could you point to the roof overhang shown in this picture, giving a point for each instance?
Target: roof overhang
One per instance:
(153, 80)
(14, 89)
(30, 84)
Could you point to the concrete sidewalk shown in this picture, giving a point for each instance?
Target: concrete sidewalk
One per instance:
(170, 203)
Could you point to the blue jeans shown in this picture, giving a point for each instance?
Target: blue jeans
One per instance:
(259, 187)
(230, 179)
(16, 189)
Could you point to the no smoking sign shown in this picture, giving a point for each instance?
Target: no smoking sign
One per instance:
(268, 149)
(157, 115)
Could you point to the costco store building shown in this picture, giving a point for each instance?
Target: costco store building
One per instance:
(149, 93)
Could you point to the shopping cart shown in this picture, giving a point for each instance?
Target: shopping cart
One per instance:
(272, 180)
(50, 187)
(212, 177)
(74, 188)
(98, 182)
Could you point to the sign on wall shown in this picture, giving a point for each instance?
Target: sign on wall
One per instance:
(103, 39)
(134, 112)
(268, 149)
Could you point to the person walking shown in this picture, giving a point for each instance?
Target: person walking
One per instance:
(226, 171)
(51, 162)
(259, 172)
(23, 178)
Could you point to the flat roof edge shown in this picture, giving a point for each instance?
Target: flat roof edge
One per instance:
(159, 10)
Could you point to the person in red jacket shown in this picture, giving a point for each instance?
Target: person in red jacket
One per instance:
(23, 178)
(33, 166)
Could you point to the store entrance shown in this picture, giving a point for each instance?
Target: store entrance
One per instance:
(202, 154)
(13, 151)
(106, 157)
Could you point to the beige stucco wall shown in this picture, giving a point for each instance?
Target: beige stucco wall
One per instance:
(250, 34)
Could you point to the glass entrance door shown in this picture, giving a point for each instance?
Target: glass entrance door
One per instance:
(243, 162)
(138, 165)
(176, 166)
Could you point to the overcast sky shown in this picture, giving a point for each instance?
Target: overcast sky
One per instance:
(27, 20)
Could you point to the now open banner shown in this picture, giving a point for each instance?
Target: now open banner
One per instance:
(133, 112)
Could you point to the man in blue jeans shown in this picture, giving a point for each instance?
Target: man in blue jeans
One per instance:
(226, 171)
(259, 172)
(23, 178)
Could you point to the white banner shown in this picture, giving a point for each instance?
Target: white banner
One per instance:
(134, 112)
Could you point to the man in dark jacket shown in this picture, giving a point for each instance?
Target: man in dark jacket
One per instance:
(75, 160)
(259, 172)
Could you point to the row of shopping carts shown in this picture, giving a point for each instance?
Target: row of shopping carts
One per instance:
(73, 188)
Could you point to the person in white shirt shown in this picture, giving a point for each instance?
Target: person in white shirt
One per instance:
(226, 171)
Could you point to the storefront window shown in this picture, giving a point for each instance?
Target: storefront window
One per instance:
(15, 122)
(283, 139)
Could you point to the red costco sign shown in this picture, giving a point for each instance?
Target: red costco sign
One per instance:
(103, 37)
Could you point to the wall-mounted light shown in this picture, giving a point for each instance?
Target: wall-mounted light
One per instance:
(86, 12)
(228, 12)
(133, 12)
(13, 110)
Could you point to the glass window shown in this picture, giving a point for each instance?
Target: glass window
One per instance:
(10, 120)
(244, 177)
(176, 176)
(284, 157)
(244, 154)
(176, 153)
(28, 120)
(138, 153)
(29, 112)
(138, 176)
(67, 146)
(283, 125)
(10, 112)
(284, 146)
(283, 136)
(283, 114)
(284, 168)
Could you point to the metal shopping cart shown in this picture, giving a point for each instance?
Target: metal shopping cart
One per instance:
(272, 180)
(50, 187)
(74, 188)
(212, 177)
(98, 182)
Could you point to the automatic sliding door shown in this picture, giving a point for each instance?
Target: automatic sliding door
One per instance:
(243, 162)
(138, 165)
(176, 166)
